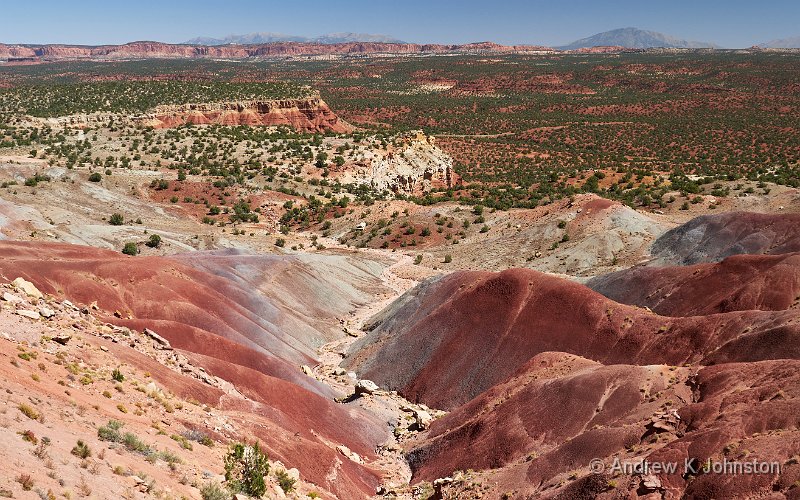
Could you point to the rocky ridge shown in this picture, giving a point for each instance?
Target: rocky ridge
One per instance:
(310, 114)
(149, 49)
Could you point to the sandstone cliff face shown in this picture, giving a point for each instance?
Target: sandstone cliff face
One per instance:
(412, 168)
(13, 51)
(135, 50)
(306, 115)
(310, 114)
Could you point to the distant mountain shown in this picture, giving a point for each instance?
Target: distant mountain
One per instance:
(354, 37)
(636, 39)
(267, 37)
(783, 43)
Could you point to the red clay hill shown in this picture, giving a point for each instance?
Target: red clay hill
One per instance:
(454, 337)
(738, 283)
(535, 435)
(247, 319)
(188, 299)
(542, 375)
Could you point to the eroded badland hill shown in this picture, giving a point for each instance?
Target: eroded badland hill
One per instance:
(488, 275)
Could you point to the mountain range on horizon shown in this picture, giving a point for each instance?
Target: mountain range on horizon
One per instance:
(636, 38)
(270, 37)
(782, 43)
(631, 37)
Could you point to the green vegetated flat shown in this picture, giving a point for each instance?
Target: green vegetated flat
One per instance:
(522, 129)
(54, 100)
(528, 124)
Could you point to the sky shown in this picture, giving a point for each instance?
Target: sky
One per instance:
(731, 23)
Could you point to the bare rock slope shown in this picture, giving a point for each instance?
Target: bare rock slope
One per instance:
(711, 238)
(309, 114)
(249, 320)
(414, 166)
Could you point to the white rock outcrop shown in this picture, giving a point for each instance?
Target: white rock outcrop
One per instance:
(414, 167)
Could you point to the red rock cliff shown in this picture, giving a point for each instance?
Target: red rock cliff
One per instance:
(310, 114)
(145, 49)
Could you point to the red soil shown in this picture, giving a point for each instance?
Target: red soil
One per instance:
(541, 428)
(477, 343)
(527, 413)
(738, 283)
(298, 427)
(742, 411)
(451, 339)
(171, 298)
(279, 409)
(235, 333)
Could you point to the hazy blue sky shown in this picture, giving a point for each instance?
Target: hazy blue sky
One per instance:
(732, 23)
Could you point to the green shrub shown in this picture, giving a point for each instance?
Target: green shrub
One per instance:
(133, 443)
(130, 249)
(168, 456)
(200, 437)
(110, 431)
(117, 375)
(245, 468)
(95, 177)
(154, 241)
(27, 356)
(81, 450)
(36, 179)
(116, 220)
(285, 481)
(185, 444)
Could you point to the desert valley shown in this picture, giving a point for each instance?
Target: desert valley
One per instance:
(375, 269)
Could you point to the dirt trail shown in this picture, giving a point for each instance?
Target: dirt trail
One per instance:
(331, 354)
(388, 404)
